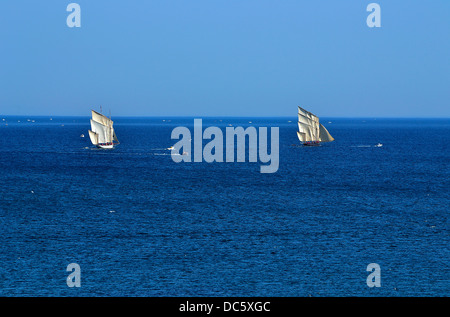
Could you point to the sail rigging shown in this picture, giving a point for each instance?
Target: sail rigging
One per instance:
(310, 129)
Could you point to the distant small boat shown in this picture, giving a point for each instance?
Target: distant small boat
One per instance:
(102, 132)
(82, 136)
(170, 148)
(310, 131)
(379, 145)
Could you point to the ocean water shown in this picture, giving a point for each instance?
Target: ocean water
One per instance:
(139, 224)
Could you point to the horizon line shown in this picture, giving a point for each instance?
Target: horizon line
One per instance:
(228, 116)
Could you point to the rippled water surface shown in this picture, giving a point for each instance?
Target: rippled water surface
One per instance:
(139, 224)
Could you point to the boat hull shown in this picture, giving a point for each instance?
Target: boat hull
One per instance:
(312, 143)
(105, 146)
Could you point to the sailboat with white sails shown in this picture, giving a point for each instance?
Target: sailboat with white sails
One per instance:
(102, 132)
(310, 131)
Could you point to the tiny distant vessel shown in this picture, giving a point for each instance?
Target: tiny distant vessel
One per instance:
(379, 145)
(310, 131)
(82, 136)
(102, 133)
(170, 148)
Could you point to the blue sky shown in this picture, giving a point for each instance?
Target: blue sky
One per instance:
(225, 58)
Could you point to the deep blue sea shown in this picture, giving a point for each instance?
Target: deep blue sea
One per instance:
(139, 224)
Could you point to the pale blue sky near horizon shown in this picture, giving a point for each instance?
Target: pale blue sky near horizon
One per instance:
(225, 58)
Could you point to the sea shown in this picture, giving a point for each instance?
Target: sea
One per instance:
(139, 224)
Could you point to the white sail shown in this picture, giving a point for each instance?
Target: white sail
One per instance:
(94, 137)
(307, 114)
(310, 129)
(306, 120)
(301, 136)
(325, 136)
(103, 132)
(309, 124)
(98, 117)
(306, 130)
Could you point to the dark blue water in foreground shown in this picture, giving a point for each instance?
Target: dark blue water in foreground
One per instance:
(224, 229)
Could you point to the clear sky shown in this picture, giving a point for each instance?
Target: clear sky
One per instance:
(225, 58)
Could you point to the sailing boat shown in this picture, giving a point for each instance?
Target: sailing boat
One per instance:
(102, 132)
(310, 131)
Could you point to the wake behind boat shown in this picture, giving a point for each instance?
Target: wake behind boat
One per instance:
(102, 132)
(310, 131)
